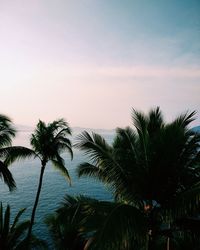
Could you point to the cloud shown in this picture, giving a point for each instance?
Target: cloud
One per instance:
(126, 71)
(147, 71)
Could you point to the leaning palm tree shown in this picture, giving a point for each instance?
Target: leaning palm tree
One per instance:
(152, 170)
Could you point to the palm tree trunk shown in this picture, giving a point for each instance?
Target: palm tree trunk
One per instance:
(36, 203)
(168, 243)
(150, 243)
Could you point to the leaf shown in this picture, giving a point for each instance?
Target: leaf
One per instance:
(6, 222)
(123, 223)
(17, 218)
(14, 153)
(7, 176)
(58, 164)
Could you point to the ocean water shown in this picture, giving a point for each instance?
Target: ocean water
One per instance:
(55, 187)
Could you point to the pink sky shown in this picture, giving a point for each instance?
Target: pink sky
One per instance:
(89, 63)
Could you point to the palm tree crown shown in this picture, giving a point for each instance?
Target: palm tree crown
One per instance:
(154, 167)
(7, 132)
(150, 163)
(49, 141)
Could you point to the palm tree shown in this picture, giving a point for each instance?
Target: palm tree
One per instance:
(12, 236)
(64, 227)
(7, 132)
(80, 220)
(153, 171)
(48, 142)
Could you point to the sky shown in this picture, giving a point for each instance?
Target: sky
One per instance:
(92, 61)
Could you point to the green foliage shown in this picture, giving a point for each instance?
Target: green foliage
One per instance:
(7, 132)
(12, 235)
(65, 225)
(6, 175)
(48, 141)
(81, 219)
(9, 153)
(154, 168)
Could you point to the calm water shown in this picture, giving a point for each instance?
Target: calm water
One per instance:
(55, 187)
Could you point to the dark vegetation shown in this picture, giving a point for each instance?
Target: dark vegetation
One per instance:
(153, 170)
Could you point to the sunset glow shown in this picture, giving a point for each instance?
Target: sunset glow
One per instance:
(92, 61)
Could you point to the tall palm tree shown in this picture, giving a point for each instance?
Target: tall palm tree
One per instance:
(153, 169)
(7, 132)
(48, 142)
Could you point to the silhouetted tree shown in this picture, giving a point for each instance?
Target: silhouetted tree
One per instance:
(7, 132)
(154, 173)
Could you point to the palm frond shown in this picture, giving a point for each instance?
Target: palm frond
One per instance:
(186, 203)
(65, 233)
(59, 165)
(94, 146)
(109, 223)
(6, 222)
(60, 125)
(125, 138)
(87, 169)
(98, 151)
(185, 119)
(115, 224)
(155, 122)
(125, 146)
(63, 132)
(102, 156)
(7, 131)
(62, 144)
(35, 242)
(87, 212)
(17, 232)
(5, 138)
(66, 224)
(7, 176)
(140, 122)
(12, 236)
(17, 217)
(14, 153)
(38, 243)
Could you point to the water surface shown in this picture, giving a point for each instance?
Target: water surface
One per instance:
(55, 187)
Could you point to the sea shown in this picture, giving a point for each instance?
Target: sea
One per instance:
(55, 187)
